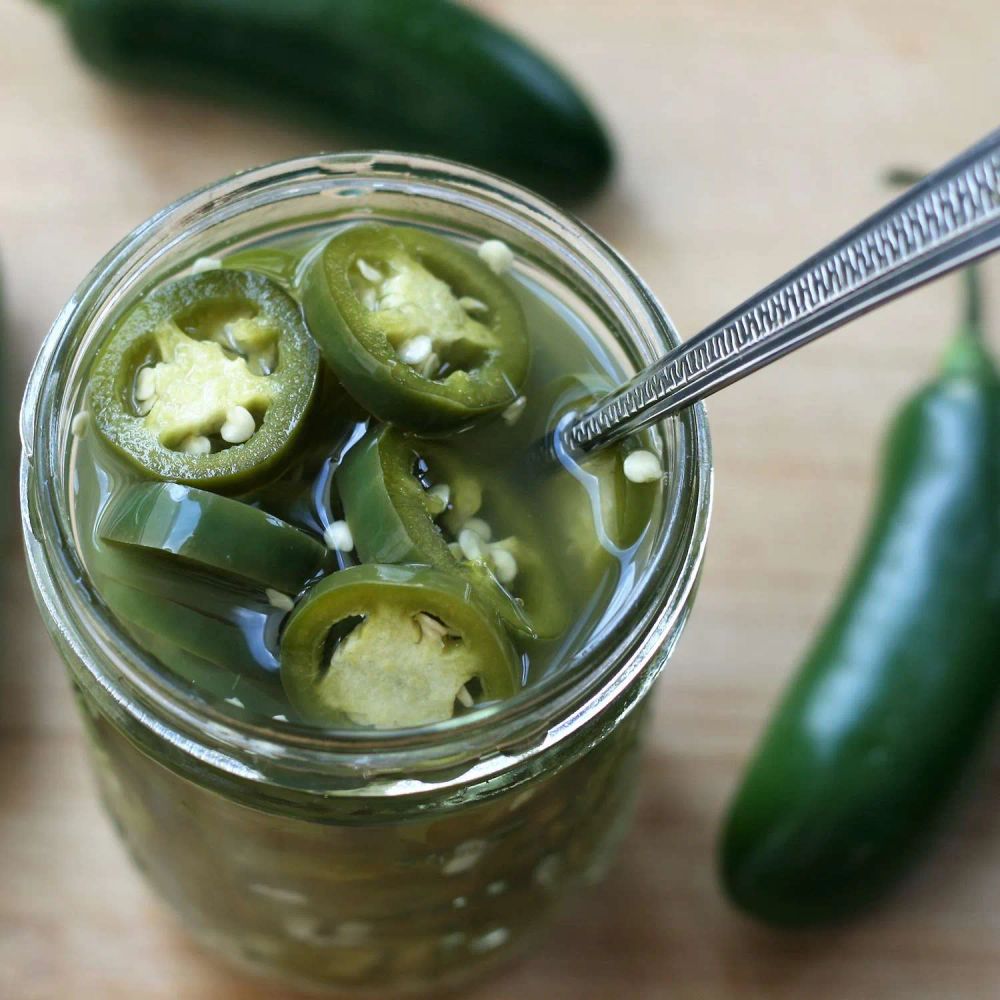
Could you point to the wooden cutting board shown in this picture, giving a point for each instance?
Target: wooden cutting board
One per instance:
(749, 134)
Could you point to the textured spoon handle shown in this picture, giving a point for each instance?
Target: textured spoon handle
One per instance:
(947, 220)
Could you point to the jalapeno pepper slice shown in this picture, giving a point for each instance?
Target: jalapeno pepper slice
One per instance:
(261, 696)
(392, 647)
(207, 380)
(411, 500)
(601, 514)
(420, 331)
(214, 532)
(226, 626)
(277, 263)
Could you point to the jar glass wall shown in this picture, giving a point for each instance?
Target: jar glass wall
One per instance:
(405, 859)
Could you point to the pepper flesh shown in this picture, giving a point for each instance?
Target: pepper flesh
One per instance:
(418, 638)
(213, 532)
(207, 380)
(421, 75)
(386, 306)
(396, 518)
(224, 622)
(876, 733)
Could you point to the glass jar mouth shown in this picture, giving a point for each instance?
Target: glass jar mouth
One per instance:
(104, 657)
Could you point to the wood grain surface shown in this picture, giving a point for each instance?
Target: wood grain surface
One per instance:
(749, 134)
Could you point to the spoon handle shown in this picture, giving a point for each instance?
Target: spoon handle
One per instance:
(947, 220)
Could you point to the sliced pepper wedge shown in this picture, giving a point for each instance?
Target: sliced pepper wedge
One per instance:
(392, 647)
(214, 532)
(207, 380)
(420, 331)
(230, 628)
(599, 514)
(261, 696)
(408, 499)
(278, 263)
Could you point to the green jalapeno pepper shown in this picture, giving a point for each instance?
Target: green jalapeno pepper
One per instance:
(228, 627)
(391, 647)
(426, 75)
(214, 532)
(260, 695)
(207, 380)
(420, 331)
(877, 732)
(280, 264)
(600, 513)
(411, 500)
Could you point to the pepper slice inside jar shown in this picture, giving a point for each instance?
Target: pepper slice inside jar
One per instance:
(221, 622)
(598, 513)
(408, 499)
(420, 331)
(392, 647)
(207, 380)
(214, 532)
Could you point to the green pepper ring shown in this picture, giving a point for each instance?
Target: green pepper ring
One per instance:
(349, 593)
(365, 361)
(128, 345)
(214, 532)
(390, 518)
(625, 507)
(230, 644)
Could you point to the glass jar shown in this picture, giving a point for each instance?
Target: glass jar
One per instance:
(378, 860)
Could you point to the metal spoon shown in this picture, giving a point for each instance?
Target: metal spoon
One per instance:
(949, 219)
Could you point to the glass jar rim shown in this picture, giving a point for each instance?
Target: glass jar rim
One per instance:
(541, 716)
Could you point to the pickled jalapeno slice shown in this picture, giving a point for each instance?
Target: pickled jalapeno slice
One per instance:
(420, 331)
(207, 380)
(259, 695)
(213, 532)
(599, 512)
(408, 499)
(393, 646)
(228, 628)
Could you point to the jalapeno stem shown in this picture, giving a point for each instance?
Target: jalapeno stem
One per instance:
(967, 356)
(973, 303)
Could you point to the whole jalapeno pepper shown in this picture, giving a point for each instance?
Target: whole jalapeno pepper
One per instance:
(213, 532)
(420, 331)
(207, 380)
(426, 75)
(412, 500)
(876, 732)
(391, 647)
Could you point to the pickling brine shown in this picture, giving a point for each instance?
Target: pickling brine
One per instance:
(303, 479)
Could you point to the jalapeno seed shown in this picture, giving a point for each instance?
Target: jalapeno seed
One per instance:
(203, 264)
(472, 305)
(79, 424)
(338, 537)
(642, 467)
(512, 413)
(416, 351)
(368, 272)
(196, 444)
(279, 600)
(498, 256)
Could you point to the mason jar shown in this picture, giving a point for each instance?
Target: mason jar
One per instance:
(386, 861)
